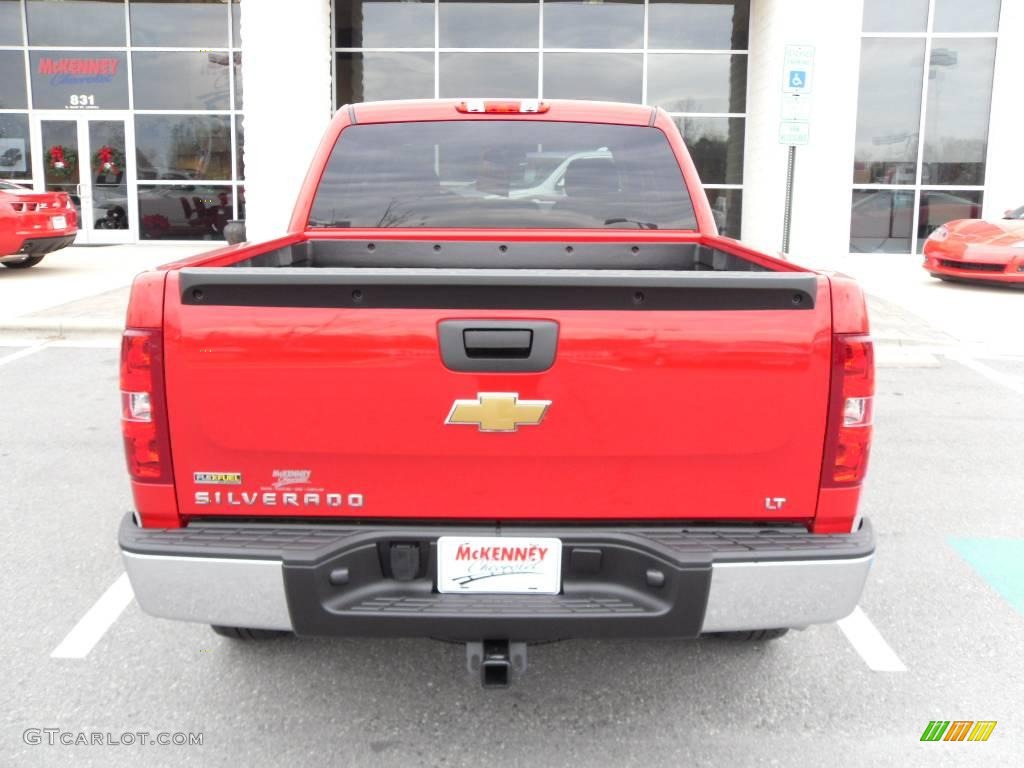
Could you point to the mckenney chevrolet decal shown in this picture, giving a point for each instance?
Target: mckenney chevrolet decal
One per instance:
(283, 477)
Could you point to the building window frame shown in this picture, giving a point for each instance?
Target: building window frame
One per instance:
(919, 187)
(541, 51)
(234, 112)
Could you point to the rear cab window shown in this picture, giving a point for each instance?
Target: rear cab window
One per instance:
(508, 174)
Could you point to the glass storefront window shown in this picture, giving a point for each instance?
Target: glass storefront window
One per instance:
(585, 24)
(698, 24)
(190, 24)
(76, 22)
(61, 159)
(383, 24)
(895, 16)
(81, 56)
(183, 146)
(489, 23)
(973, 16)
(956, 121)
(601, 76)
(888, 111)
(184, 211)
(881, 221)
(79, 79)
(379, 75)
(196, 80)
(10, 23)
(107, 175)
(697, 82)
(894, 145)
(15, 147)
(586, 49)
(940, 206)
(727, 209)
(716, 146)
(12, 80)
(479, 75)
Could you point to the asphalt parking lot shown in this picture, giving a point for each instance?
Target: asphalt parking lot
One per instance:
(946, 597)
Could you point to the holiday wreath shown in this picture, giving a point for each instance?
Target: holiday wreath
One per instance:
(61, 161)
(107, 160)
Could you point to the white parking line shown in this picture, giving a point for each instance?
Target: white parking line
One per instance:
(869, 643)
(23, 353)
(1010, 382)
(87, 632)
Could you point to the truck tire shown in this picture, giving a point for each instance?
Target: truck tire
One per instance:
(28, 261)
(752, 634)
(246, 633)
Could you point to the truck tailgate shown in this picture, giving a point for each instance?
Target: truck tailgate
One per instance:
(323, 393)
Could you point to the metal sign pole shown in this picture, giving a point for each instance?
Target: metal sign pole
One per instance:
(788, 215)
(795, 126)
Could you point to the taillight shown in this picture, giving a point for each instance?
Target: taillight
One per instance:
(143, 414)
(848, 440)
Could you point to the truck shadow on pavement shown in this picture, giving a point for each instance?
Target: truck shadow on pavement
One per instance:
(399, 687)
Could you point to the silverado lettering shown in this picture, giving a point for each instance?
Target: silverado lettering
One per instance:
(271, 498)
(451, 270)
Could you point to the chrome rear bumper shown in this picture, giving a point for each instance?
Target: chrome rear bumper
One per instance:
(275, 576)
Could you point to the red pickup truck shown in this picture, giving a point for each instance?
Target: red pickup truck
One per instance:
(501, 382)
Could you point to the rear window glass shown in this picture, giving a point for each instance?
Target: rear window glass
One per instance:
(502, 174)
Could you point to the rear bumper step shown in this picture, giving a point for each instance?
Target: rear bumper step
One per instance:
(664, 581)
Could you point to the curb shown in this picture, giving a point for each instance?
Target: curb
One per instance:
(57, 326)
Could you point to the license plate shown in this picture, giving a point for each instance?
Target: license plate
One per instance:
(59, 222)
(499, 564)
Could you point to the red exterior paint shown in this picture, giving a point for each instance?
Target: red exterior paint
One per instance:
(697, 415)
(29, 215)
(652, 417)
(971, 243)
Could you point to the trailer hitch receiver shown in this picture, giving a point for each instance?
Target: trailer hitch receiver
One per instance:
(496, 661)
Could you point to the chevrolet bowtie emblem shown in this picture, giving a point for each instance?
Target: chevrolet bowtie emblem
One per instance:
(497, 411)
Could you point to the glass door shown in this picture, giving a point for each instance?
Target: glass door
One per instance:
(90, 159)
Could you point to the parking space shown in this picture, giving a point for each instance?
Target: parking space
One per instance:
(945, 469)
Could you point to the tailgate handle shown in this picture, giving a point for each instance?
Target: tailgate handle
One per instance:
(498, 346)
(498, 342)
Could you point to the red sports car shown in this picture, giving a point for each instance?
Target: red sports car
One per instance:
(32, 224)
(973, 250)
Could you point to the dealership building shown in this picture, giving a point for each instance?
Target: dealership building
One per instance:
(167, 119)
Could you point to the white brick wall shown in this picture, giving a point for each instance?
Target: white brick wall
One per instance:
(286, 71)
(824, 168)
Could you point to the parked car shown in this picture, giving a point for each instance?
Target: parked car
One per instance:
(10, 157)
(497, 422)
(978, 251)
(33, 224)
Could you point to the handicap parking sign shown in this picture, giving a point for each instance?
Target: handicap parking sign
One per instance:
(797, 69)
